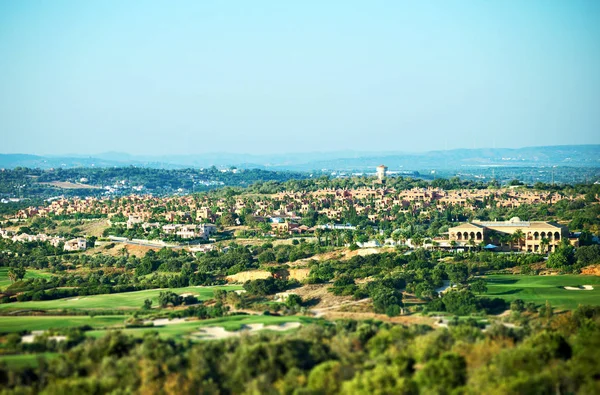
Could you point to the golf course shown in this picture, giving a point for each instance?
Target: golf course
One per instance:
(539, 289)
(125, 300)
(39, 323)
(30, 273)
(179, 330)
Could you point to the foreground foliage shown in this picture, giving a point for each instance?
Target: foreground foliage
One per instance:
(556, 355)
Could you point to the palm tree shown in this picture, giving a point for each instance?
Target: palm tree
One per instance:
(318, 235)
(472, 243)
(518, 237)
(544, 243)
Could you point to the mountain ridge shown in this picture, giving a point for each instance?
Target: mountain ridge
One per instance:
(562, 155)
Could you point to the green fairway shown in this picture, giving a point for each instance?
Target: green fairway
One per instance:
(38, 323)
(5, 282)
(125, 300)
(26, 360)
(231, 323)
(539, 289)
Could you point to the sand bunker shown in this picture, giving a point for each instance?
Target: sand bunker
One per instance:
(218, 332)
(580, 288)
(165, 321)
(31, 338)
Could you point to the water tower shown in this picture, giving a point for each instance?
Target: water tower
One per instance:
(381, 170)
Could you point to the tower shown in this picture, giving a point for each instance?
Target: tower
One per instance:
(381, 172)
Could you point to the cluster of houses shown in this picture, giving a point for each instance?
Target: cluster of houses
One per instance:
(184, 231)
(191, 216)
(374, 202)
(78, 244)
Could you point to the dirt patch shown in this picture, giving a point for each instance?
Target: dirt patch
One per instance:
(94, 228)
(250, 275)
(299, 274)
(317, 296)
(403, 319)
(69, 185)
(117, 250)
(593, 270)
(343, 254)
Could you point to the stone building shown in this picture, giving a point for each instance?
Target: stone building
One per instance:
(537, 236)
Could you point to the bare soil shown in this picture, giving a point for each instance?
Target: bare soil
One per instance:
(69, 185)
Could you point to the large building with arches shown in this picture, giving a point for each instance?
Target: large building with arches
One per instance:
(537, 236)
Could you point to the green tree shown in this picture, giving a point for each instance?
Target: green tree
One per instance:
(479, 286)
(441, 376)
(147, 304)
(384, 379)
(293, 300)
(517, 305)
(16, 274)
(546, 310)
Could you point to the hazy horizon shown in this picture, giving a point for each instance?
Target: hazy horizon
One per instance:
(313, 152)
(260, 78)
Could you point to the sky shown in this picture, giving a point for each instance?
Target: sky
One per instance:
(261, 77)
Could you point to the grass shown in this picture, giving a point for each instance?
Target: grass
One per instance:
(184, 329)
(125, 300)
(30, 273)
(539, 289)
(26, 360)
(38, 323)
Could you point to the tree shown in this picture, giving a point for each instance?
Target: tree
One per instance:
(441, 375)
(386, 300)
(518, 237)
(266, 257)
(293, 300)
(147, 304)
(417, 241)
(587, 255)
(517, 305)
(166, 298)
(461, 302)
(453, 244)
(458, 273)
(546, 310)
(479, 286)
(327, 377)
(16, 274)
(544, 243)
(383, 379)
(562, 257)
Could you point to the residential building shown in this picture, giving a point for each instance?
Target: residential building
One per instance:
(537, 236)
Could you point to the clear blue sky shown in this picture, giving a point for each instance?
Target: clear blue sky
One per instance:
(186, 77)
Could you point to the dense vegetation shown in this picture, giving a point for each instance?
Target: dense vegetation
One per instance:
(543, 342)
(25, 182)
(557, 354)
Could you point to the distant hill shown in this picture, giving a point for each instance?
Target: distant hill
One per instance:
(566, 155)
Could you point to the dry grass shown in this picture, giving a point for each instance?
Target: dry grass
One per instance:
(69, 185)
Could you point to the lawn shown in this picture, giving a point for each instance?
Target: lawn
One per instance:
(230, 323)
(125, 300)
(539, 289)
(26, 360)
(30, 273)
(38, 323)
